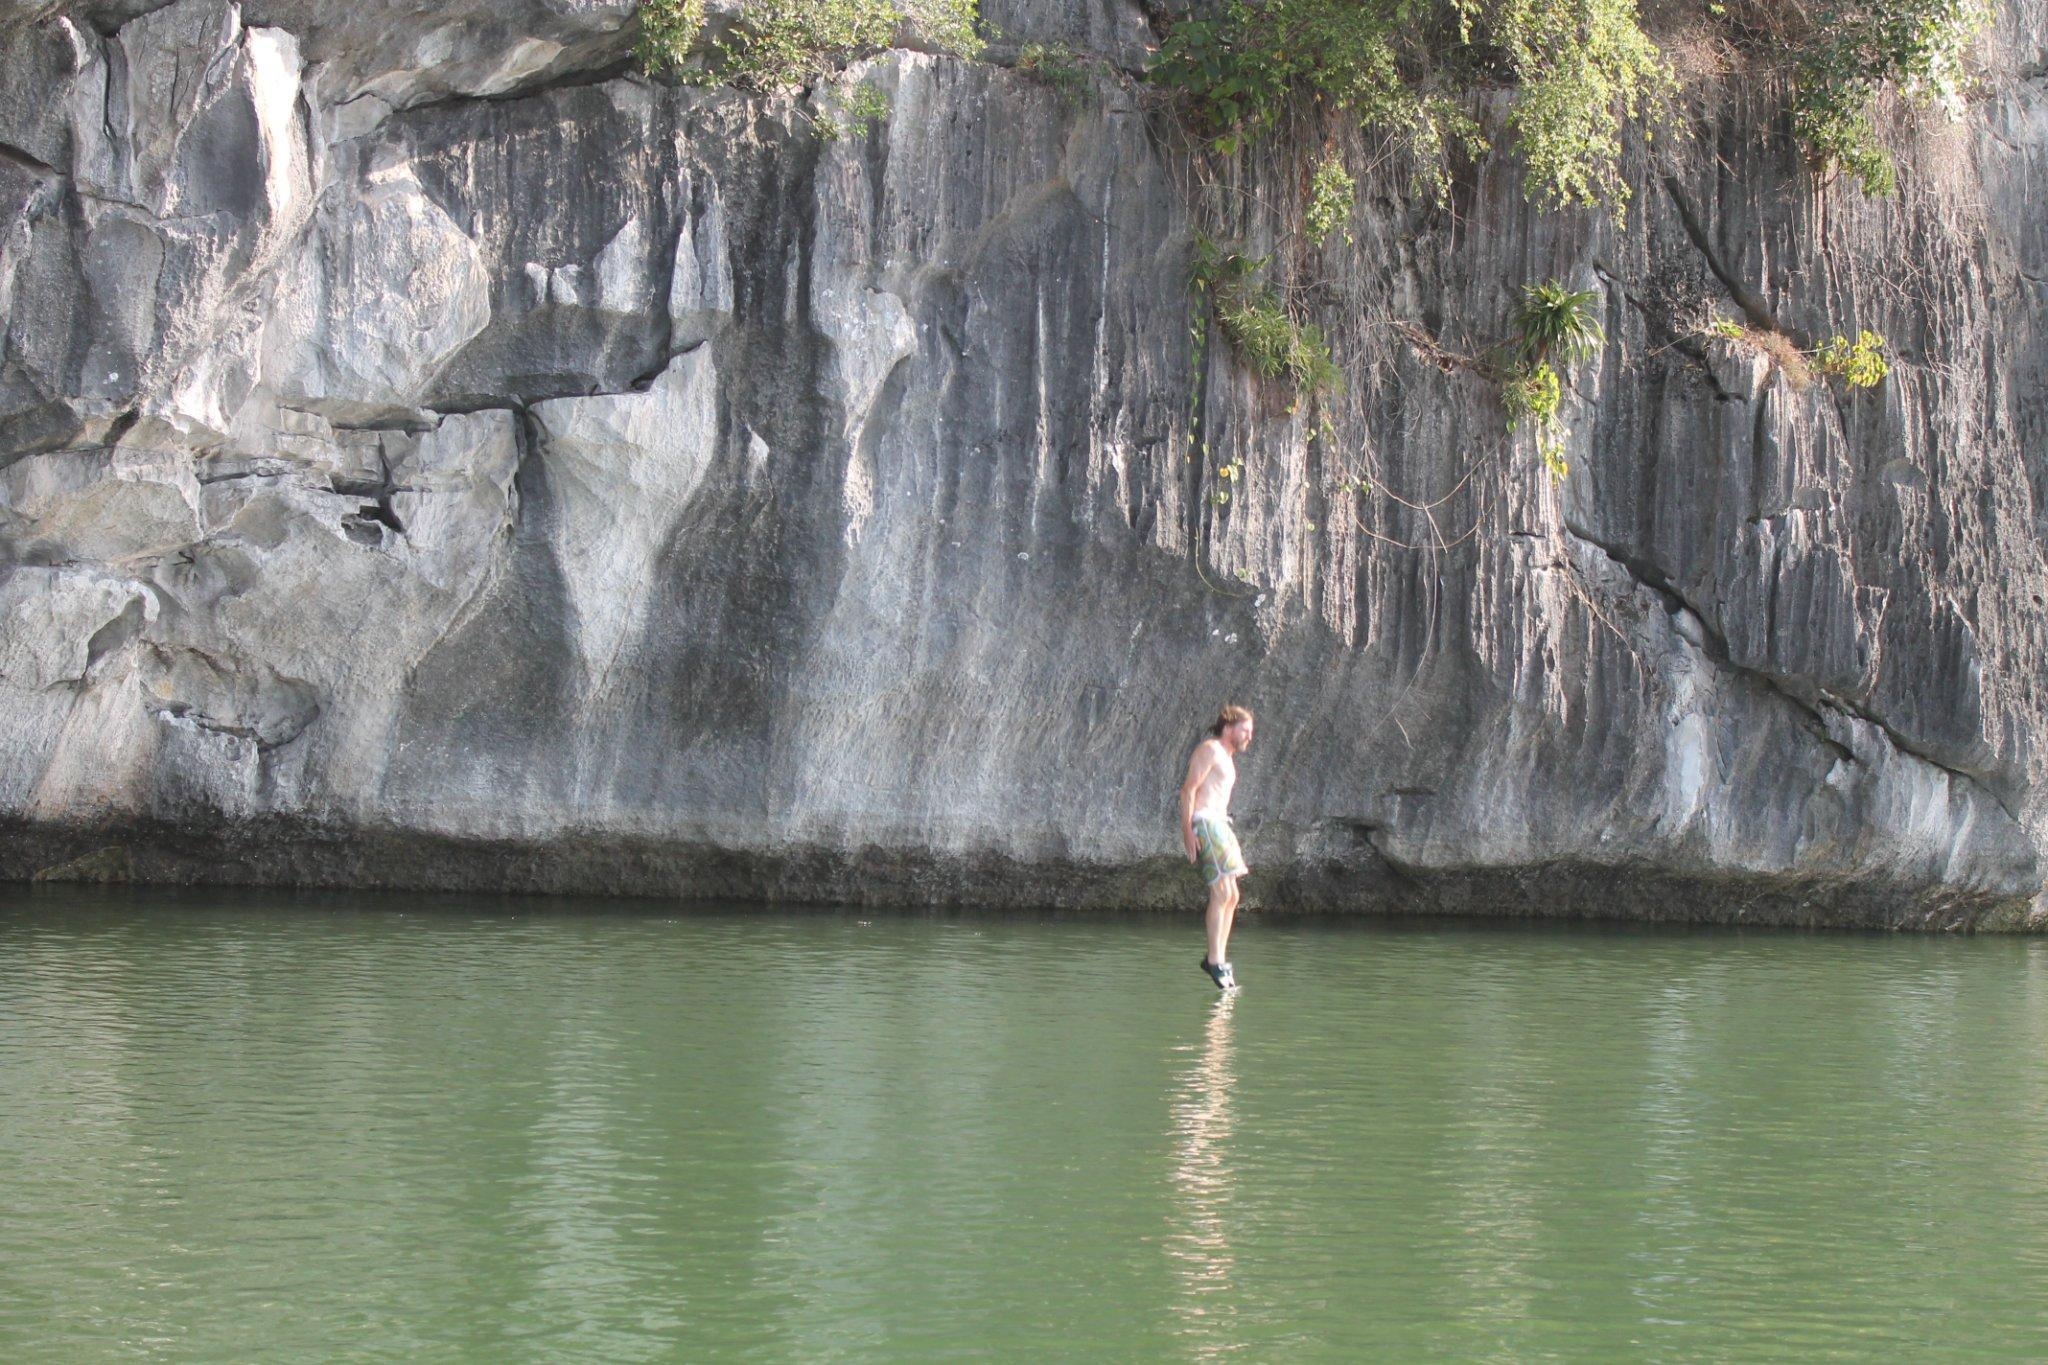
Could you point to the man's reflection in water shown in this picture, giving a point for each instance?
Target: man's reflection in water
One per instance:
(1202, 1179)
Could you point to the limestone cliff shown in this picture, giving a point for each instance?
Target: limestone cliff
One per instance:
(434, 455)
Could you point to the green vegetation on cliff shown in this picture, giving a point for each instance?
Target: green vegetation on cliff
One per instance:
(1856, 51)
(777, 44)
(1552, 326)
(1584, 71)
(1585, 68)
(1255, 320)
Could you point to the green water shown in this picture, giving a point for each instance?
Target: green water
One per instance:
(449, 1129)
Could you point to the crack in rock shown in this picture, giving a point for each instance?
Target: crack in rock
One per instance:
(1715, 647)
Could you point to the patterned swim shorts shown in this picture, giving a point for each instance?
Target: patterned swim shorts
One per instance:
(1220, 854)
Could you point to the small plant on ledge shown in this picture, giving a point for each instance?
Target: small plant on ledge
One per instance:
(1256, 321)
(1858, 363)
(864, 110)
(1058, 67)
(1552, 326)
(1330, 192)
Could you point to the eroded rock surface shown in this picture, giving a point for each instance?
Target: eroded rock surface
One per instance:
(432, 455)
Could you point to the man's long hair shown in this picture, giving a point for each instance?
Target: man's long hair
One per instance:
(1227, 717)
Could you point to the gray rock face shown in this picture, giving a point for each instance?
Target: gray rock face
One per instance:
(432, 455)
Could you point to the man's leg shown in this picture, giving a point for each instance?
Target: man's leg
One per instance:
(1222, 910)
(1229, 919)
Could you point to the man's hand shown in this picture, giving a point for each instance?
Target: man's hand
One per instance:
(1194, 849)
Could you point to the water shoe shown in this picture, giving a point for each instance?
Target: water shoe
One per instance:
(1220, 973)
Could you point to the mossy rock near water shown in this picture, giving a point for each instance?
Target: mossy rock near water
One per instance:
(437, 455)
(103, 865)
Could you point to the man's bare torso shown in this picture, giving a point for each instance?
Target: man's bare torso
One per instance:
(1212, 797)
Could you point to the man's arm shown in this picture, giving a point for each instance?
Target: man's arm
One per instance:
(1203, 759)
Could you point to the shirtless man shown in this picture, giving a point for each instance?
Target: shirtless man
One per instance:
(1205, 830)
